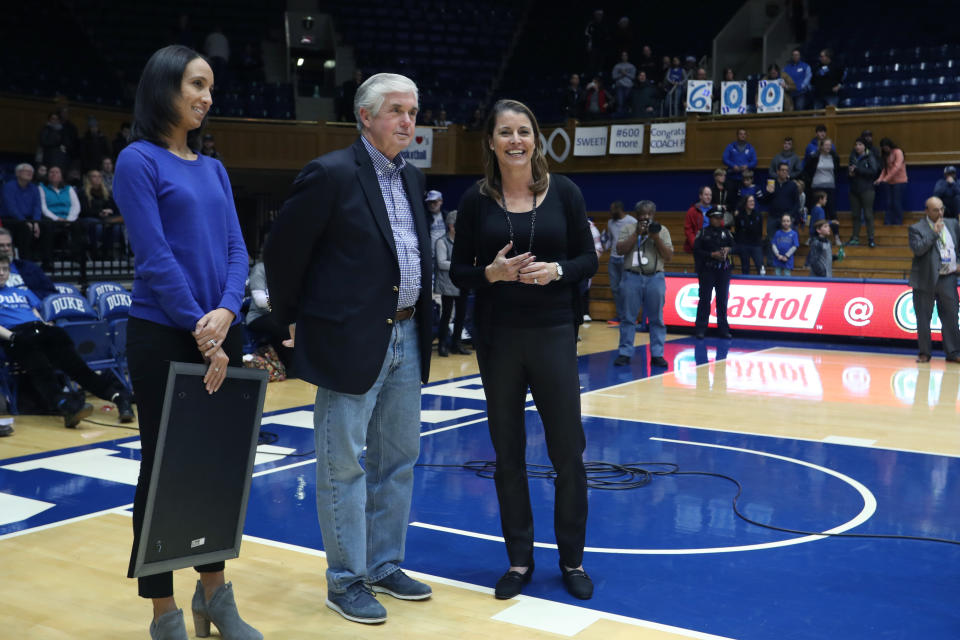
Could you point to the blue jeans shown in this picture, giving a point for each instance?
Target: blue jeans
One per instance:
(363, 513)
(801, 101)
(615, 269)
(647, 292)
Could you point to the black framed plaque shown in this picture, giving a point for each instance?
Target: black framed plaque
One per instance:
(197, 501)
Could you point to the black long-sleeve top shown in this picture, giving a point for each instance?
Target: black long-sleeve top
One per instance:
(561, 234)
(748, 227)
(711, 239)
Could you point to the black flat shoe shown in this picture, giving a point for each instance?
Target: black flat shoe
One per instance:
(577, 582)
(511, 583)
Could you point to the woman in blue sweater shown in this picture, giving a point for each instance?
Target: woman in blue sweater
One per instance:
(191, 264)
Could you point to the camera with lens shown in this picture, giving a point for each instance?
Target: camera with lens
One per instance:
(654, 227)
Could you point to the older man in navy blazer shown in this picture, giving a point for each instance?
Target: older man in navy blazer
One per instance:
(348, 261)
(933, 276)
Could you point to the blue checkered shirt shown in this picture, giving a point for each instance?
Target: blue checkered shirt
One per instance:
(401, 222)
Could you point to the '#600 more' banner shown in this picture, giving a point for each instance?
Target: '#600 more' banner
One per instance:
(862, 309)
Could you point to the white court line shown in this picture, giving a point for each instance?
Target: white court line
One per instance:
(60, 523)
(764, 435)
(467, 586)
(869, 507)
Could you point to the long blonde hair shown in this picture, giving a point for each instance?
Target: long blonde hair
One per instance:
(87, 186)
(492, 182)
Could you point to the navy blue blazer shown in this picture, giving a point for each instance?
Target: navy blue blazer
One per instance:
(332, 268)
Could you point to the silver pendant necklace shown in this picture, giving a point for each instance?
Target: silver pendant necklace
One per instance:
(533, 223)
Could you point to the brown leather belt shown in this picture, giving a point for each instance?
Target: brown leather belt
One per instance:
(404, 314)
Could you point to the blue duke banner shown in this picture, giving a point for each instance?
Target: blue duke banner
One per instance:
(699, 96)
(769, 96)
(733, 98)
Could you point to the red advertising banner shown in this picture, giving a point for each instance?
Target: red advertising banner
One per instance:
(846, 308)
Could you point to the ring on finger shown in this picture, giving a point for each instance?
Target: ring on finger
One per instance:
(217, 369)
(212, 342)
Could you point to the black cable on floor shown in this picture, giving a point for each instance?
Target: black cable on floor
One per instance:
(610, 476)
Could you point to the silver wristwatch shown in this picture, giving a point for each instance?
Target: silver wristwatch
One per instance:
(559, 271)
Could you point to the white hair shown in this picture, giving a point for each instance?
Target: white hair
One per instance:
(23, 165)
(373, 91)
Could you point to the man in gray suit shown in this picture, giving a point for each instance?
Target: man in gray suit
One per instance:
(933, 276)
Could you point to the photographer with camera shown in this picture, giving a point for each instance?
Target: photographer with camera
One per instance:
(646, 248)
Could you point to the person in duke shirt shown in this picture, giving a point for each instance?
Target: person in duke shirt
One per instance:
(39, 348)
(349, 262)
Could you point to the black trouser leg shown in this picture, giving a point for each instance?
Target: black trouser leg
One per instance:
(446, 308)
(544, 358)
(706, 279)
(722, 285)
(63, 355)
(923, 310)
(150, 349)
(459, 316)
(29, 350)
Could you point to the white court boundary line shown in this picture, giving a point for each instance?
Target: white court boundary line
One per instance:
(869, 508)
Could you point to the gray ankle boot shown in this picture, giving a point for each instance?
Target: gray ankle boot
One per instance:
(221, 611)
(169, 626)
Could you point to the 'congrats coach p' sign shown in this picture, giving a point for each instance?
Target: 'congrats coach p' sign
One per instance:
(670, 137)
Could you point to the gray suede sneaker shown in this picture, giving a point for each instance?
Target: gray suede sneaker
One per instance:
(400, 585)
(357, 604)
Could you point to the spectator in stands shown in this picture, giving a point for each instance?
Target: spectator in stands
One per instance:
(597, 101)
(442, 120)
(738, 157)
(101, 217)
(867, 136)
(648, 63)
(711, 253)
(789, 157)
(184, 34)
(71, 137)
(689, 68)
(814, 147)
(623, 37)
(946, 189)
(436, 216)
(121, 140)
(450, 295)
(827, 81)
(74, 177)
(93, 146)
(644, 98)
(478, 119)
(816, 212)
(784, 244)
(623, 75)
(723, 199)
(106, 170)
(40, 348)
(40, 176)
(747, 188)
(21, 212)
(251, 65)
(820, 257)
(216, 46)
(586, 284)
(674, 84)
(863, 171)
(666, 63)
(346, 95)
(646, 247)
(260, 318)
(23, 273)
(801, 74)
(785, 82)
(748, 233)
(781, 197)
(209, 147)
(60, 206)
(597, 41)
(571, 103)
(894, 176)
(426, 117)
(933, 277)
(822, 173)
(696, 217)
(618, 220)
(52, 145)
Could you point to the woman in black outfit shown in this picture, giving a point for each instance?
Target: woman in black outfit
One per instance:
(523, 244)
(748, 233)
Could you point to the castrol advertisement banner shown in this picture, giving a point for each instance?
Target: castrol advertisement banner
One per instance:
(863, 309)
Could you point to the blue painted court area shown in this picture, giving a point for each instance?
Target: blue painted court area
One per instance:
(671, 552)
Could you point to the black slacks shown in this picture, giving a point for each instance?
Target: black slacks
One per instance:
(545, 359)
(150, 349)
(711, 279)
(40, 348)
(446, 307)
(946, 299)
